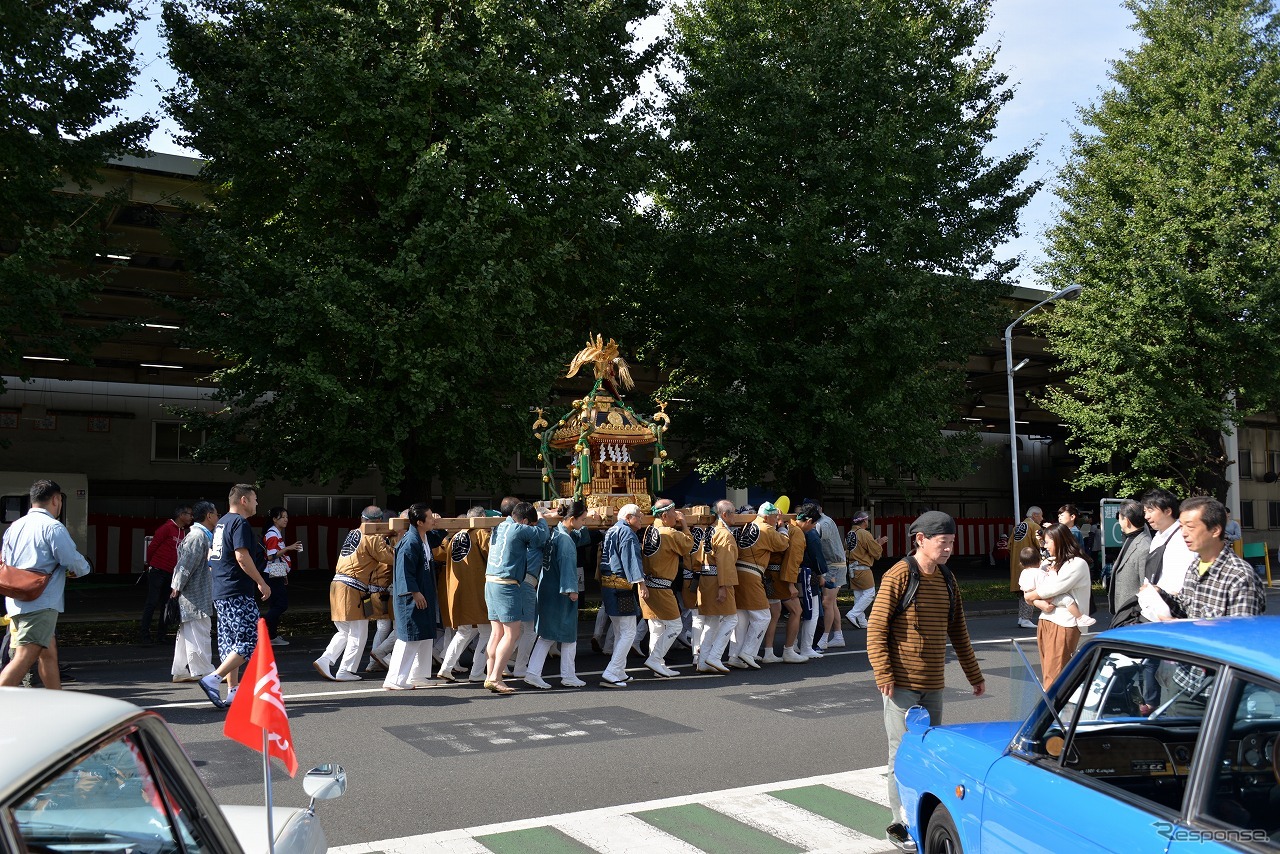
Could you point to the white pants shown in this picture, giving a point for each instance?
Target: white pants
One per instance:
(662, 634)
(686, 624)
(568, 658)
(749, 633)
(410, 662)
(347, 644)
(384, 639)
(191, 648)
(625, 630)
(462, 638)
(711, 635)
(807, 629)
(443, 637)
(610, 635)
(602, 624)
(524, 648)
(862, 600)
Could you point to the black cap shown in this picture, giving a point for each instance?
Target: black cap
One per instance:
(932, 523)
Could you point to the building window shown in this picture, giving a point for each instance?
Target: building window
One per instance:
(1273, 461)
(334, 506)
(1273, 514)
(173, 441)
(1245, 464)
(1246, 514)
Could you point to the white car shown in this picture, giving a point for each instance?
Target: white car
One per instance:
(82, 772)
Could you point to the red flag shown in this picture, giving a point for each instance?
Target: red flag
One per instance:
(259, 707)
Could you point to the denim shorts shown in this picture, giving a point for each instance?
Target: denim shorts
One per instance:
(835, 577)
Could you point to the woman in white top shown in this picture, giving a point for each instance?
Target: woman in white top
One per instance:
(1057, 633)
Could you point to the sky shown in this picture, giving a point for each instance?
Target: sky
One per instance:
(1056, 54)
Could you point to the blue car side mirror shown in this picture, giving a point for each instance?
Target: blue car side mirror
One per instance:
(918, 720)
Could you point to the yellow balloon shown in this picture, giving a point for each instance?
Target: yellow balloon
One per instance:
(783, 504)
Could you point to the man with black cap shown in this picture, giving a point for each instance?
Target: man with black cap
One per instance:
(917, 610)
(864, 550)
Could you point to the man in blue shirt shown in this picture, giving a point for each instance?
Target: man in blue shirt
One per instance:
(621, 567)
(237, 559)
(39, 542)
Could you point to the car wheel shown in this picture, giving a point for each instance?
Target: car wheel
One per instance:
(941, 837)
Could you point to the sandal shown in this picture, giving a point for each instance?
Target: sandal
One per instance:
(500, 688)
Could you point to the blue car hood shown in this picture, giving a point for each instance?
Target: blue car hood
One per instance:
(994, 735)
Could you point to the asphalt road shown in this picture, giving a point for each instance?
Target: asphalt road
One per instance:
(458, 756)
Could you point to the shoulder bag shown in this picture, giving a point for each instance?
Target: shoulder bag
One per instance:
(24, 585)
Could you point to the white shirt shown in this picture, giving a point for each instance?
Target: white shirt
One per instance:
(1073, 580)
(1177, 558)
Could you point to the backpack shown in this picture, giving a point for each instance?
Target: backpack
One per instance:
(913, 584)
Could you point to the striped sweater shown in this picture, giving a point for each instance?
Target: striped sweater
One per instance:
(911, 650)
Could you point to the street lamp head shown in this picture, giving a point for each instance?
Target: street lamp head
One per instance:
(1069, 292)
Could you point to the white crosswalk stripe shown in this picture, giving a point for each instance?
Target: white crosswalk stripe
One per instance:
(618, 830)
(623, 834)
(800, 827)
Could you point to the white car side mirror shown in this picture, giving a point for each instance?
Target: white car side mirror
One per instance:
(325, 782)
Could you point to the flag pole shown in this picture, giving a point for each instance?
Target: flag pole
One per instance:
(266, 782)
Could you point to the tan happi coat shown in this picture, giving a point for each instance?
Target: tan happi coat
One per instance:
(661, 550)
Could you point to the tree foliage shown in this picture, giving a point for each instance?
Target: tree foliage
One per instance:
(1170, 218)
(416, 215)
(829, 218)
(63, 65)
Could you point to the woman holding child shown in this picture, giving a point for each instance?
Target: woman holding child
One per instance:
(1064, 583)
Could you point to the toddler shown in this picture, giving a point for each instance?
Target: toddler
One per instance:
(1033, 569)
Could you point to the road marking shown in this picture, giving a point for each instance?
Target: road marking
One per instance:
(773, 816)
(855, 813)
(813, 814)
(715, 832)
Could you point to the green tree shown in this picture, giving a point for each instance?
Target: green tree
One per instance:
(830, 218)
(1170, 218)
(63, 65)
(414, 221)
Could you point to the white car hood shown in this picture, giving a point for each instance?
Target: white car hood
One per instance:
(297, 831)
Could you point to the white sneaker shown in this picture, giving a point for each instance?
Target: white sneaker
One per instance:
(279, 641)
(345, 676)
(822, 644)
(1085, 621)
(750, 660)
(837, 641)
(575, 682)
(231, 695)
(810, 653)
(771, 657)
(737, 663)
(536, 681)
(1026, 624)
(859, 621)
(790, 656)
(324, 668)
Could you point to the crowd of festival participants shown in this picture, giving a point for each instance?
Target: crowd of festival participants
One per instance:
(510, 593)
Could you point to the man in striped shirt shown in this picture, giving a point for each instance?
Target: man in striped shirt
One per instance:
(908, 646)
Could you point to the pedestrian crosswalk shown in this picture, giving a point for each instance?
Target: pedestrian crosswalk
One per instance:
(843, 812)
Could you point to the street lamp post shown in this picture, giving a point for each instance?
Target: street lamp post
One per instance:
(1069, 292)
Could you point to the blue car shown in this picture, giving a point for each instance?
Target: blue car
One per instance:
(1162, 737)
